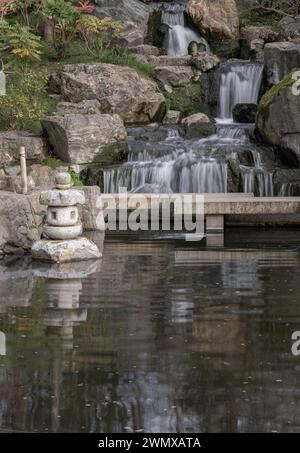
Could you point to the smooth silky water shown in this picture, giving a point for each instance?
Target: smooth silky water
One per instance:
(162, 336)
(163, 160)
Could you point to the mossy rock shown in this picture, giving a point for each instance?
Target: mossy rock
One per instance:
(225, 48)
(203, 130)
(187, 99)
(269, 96)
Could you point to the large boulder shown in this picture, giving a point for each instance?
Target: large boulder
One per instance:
(118, 89)
(18, 226)
(289, 28)
(253, 33)
(197, 125)
(218, 17)
(82, 139)
(133, 14)
(173, 76)
(10, 143)
(280, 59)
(205, 61)
(244, 113)
(278, 117)
(125, 11)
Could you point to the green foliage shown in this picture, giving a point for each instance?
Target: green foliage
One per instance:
(64, 18)
(97, 34)
(121, 57)
(19, 43)
(52, 162)
(26, 101)
(76, 178)
(258, 18)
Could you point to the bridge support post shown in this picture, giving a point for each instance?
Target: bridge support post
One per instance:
(214, 223)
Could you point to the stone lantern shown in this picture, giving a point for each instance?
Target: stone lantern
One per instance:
(62, 231)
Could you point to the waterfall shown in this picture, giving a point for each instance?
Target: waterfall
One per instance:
(239, 84)
(179, 35)
(160, 160)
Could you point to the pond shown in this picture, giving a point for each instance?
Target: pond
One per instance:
(162, 335)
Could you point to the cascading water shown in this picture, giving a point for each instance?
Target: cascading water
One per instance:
(161, 160)
(239, 84)
(179, 35)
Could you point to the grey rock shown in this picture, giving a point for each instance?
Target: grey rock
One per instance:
(172, 117)
(252, 33)
(144, 49)
(205, 61)
(81, 139)
(278, 118)
(289, 28)
(80, 249)
(118, 89)
(89, 107)
(244, 113)
(19, 222)
(173, 76)
(280, 58)
(10, 143)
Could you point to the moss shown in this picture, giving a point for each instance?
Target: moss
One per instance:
(75, 178)
(267, 99)
(258, 18)
(187, 99)
(52, 162)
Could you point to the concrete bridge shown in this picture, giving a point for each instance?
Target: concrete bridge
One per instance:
(221, 209)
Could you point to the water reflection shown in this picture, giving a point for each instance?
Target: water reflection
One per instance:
(161, 335)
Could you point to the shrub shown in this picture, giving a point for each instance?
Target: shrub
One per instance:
(97, 34)
(17, 41)
(25, 102)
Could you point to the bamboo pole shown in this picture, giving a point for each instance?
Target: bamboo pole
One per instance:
(23, 170)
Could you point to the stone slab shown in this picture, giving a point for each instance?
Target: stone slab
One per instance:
(80, 249)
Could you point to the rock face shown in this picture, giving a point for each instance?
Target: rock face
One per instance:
(118, 89)
(18, 226)
(85, 107)
(289, 28)
(278, 118)
(80, 249)
(133, 14)
(173, 76)
(215, 17)
(253, 33)
(145, 49)
(244, 113)
(280, 59)
(10, 143)
(81, 139)
(197, 125)
(172, 117)
(205, 61)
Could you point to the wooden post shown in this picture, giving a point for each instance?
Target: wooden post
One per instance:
(23, 170)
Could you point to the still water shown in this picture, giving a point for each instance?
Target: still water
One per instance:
(161, 336)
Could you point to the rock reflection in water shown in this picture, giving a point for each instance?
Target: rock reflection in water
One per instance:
(162, 336)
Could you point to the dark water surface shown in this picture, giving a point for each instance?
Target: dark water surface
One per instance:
(161, 336)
